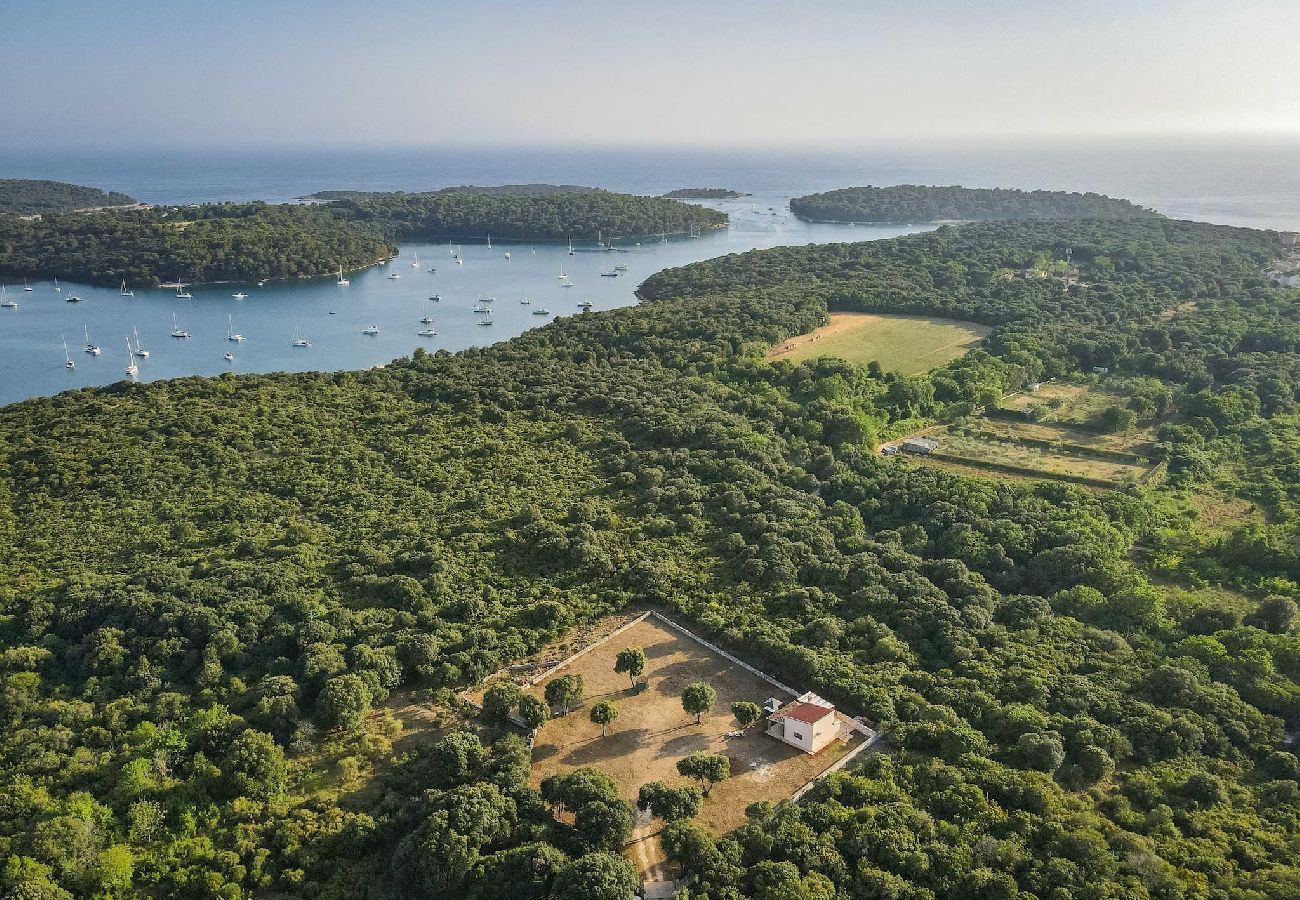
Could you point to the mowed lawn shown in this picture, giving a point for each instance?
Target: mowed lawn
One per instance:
(907, 344)
(653, 731)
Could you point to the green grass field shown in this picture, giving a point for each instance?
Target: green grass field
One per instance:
(907, 344)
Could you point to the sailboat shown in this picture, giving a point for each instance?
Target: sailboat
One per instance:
(92, 349)
(139, 351)
(415, 263)
(57, 289)
(460, 260)
(562, 276)
(27, 287)
(131, 367)
(240, 296)
(489, 237)
(124, 292)
(231, 335)
(570, 245)
(5, 302)
(450, 249)
(67, 357)
(178, 331)
(300, 341)
(600, 238)
(342, 282)
(181, 293)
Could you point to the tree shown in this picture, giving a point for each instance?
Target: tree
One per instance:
(632, 661)
(698, 698)
(533, 712)
(603, 714)
(669, 803)
(706, 768)
(499, 700)
(343, 701)
(596, 876)
(604, 824)
(564, 692)
(255, 766)
(746, 712)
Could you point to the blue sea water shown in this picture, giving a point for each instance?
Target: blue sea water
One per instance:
(1252, 185)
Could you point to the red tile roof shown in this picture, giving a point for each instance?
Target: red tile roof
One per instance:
(808, 712)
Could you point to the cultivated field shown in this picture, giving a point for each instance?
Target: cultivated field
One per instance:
(653, 731)
(907, 344)
(977, 448)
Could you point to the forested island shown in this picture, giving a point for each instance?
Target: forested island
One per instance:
(352, 229)
(20, 196)
(221, 598)
(193, 244)
(704, 193)
(524, 212)
(927, 203)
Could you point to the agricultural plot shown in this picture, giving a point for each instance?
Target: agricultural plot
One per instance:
(653, 732)
(1067, 404)
(907, 344)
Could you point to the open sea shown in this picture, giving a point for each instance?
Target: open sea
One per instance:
(1255, 185)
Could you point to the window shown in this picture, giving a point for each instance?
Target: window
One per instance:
(798, 736)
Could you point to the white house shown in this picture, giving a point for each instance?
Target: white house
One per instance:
(809, 723)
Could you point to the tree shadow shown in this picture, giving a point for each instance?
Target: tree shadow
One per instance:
(684, 745)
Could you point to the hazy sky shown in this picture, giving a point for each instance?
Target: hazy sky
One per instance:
(253, 72)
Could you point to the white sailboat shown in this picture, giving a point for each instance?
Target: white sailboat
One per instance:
(57, 289)
(240, 296)
(562, 276)
(92, 349)
(415, 263)
(342, 282)
(299, 341)
(124, 292)
(570, 245)
(131, 368)
(67, 357)
(27, 287)
(231, 334)
(177, 330)
(139, 351)
(181, 293)
(5, 302)
(489, 237)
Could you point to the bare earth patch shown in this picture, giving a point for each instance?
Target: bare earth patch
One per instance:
(653, 731)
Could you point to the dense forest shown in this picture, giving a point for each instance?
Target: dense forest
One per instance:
(252, 241)
(218, 594)
(20, 196)
(214, 242)
(704, 193)
(524, 212)
(926, 203)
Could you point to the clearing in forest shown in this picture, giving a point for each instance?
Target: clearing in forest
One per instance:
(653, 732)
(907, 344)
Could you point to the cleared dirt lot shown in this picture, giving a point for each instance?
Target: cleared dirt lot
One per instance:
(653, 731)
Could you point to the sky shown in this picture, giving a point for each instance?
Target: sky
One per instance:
(711, 72)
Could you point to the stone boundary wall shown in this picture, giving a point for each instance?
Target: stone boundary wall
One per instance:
(724, 654)
(587, 649)
(834, 767)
